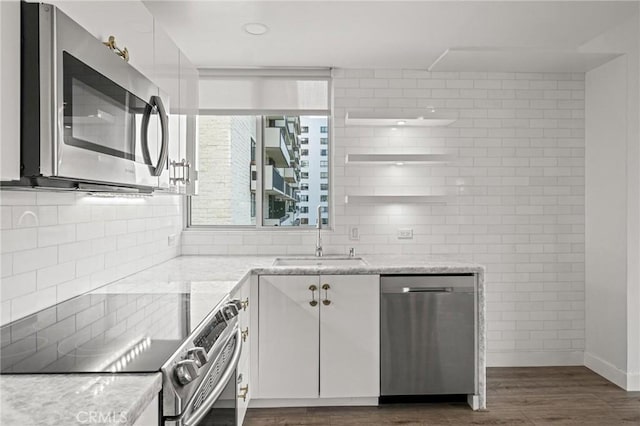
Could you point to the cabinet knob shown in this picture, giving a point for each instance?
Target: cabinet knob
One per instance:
(244, 334)
(244, 390)
(245, 304)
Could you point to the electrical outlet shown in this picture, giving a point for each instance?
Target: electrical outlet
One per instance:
(354, 233)
(405, 233)
(171, 240)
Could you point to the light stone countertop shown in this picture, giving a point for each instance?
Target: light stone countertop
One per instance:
(57, 399)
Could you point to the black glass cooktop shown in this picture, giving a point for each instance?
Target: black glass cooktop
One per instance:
(96, 333)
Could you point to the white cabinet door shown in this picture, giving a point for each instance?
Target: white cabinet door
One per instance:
(128, 21)
(288, 337)
(350, 336)
(244, 386)
(10, 90)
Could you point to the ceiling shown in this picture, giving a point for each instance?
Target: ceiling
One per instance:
(383, 34)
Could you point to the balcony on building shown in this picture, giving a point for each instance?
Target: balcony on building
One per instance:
(274, 184)
(275, 146)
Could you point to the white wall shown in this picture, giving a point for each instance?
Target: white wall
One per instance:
(519, 176)
(56, 245)
(613, 208)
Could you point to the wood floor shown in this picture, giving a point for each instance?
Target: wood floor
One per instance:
(515, 396)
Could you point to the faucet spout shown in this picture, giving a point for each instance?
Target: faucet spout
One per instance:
(319, 238)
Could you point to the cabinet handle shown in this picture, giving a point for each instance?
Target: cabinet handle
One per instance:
(244, 334)
(326, 300)
(245, 304)
(313, 288)
(244, 390)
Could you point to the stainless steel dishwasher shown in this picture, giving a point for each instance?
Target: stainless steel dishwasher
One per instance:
(428, 335)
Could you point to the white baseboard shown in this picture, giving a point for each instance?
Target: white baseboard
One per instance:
(534, 359)
(627, 381)
(312, 402)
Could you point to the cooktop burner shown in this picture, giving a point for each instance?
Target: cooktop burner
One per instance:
(96, 333)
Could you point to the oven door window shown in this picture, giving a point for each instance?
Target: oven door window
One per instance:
(103, 117)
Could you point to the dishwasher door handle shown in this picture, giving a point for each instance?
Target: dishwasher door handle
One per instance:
(427, 289)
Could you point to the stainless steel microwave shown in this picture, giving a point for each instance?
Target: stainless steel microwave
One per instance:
(88, 118)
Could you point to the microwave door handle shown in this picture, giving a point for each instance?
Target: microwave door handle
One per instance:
(156, 102)
(164, 123)
(195, 417)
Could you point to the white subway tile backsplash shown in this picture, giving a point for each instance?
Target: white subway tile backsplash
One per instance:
(75, 247)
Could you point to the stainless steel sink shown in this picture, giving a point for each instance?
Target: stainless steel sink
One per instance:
(319, 261)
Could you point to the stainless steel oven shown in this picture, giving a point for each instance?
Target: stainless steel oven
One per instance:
(88, 117)
(194, 346)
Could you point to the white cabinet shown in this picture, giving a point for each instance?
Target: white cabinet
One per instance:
(350, 336)
(10, 90)
(183, 130)
(129, 22)
(289, 339)
(319, 336)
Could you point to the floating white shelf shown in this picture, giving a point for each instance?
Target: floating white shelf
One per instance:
(398, 199)
(397, 158)
(428, 119)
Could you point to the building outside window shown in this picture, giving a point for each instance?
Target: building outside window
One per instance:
(304, 198)
(324, 141)
(324, 175)
(304, 129)
(304, 141)
(324, 198)
(324, 187)
(304, 152)
(323, 152)
(323, 129)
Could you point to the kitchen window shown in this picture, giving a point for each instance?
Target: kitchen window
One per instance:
(253, 167)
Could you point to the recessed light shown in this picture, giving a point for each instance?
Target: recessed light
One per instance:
(255, 28)
(394, 128)
(399, 164)
(401, 123)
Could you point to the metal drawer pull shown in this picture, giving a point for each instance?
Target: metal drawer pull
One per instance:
(244, 390)
(245, 304)
(427, 289)
(326, 300)
(244, 334)
(313, 288)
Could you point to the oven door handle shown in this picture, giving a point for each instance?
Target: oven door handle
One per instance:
(155, 102)
(197, 415)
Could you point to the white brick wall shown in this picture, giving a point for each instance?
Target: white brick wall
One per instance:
(57, 245)
(518, 205)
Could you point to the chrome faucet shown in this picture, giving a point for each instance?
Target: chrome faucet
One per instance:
(319, 239)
